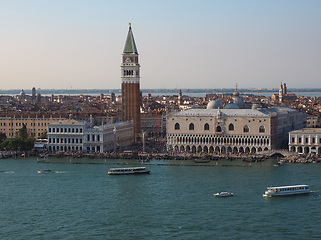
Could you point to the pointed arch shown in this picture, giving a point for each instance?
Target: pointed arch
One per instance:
(261, 129)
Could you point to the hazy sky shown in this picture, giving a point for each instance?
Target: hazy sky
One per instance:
(66, 44)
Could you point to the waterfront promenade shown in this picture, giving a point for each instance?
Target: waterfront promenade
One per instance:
(196, 158)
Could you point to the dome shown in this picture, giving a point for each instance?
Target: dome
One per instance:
(214, 104)
(231, 106)
(239, 102)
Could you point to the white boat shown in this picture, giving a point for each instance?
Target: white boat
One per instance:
(131, 170)
(45, 171)
(223, 194)
(286, 190)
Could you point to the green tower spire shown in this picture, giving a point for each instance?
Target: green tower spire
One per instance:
(130, 46)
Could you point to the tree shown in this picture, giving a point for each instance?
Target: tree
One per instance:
(15, 144)
(3, 137)
(22, 132)
(4, 144)
(29, 143)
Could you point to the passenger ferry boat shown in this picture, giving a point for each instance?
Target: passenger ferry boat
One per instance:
(286, 190)
(131, 170)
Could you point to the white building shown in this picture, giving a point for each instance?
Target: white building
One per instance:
(307, 140)
(231, 130)
(75, 135)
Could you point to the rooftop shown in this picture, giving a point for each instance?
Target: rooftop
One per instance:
(307, 131)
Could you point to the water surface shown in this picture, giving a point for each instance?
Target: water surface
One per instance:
(81, 201)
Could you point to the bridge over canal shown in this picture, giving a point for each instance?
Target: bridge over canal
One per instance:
(279, 153)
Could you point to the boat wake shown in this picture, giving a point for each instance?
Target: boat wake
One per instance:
(7, 172)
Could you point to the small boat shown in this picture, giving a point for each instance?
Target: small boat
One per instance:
(131, 170)
(45, 171)
(286, 190)
(223, 194)
(279, 163)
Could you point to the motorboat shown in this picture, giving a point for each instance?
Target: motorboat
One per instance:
(286, 190)
(131, 170)
(45, 171)
(223, 194)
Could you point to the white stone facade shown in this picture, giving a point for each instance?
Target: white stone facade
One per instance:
(229, 130)
(305, 141)
(73, 135)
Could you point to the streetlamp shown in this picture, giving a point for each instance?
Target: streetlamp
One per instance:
(144, 147)
(114, 131)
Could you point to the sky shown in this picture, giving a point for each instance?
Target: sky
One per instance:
(77, 44)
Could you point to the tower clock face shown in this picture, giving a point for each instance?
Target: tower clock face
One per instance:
(128, 60)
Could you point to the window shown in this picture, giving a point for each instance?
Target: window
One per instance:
(293, 139)
(191, 126)
(218, 129)
(306, 140)
(300, 140)
(206, 126)
(313, 140)
(231, 127)
(262, 129)
(177, 127)
(246, 129)
(49, 129)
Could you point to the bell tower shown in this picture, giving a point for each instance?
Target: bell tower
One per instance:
(130, 83)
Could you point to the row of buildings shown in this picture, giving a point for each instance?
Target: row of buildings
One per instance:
(228, 125)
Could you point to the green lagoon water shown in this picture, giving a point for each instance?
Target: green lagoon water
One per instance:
(81, 201)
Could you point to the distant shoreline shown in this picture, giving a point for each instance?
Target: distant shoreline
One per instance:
(173, 91)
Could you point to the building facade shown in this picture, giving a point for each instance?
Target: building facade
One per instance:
(75, 135)
(154, 125)
(228, 130)
(305, 141)
(130, 83)
(35, 126)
